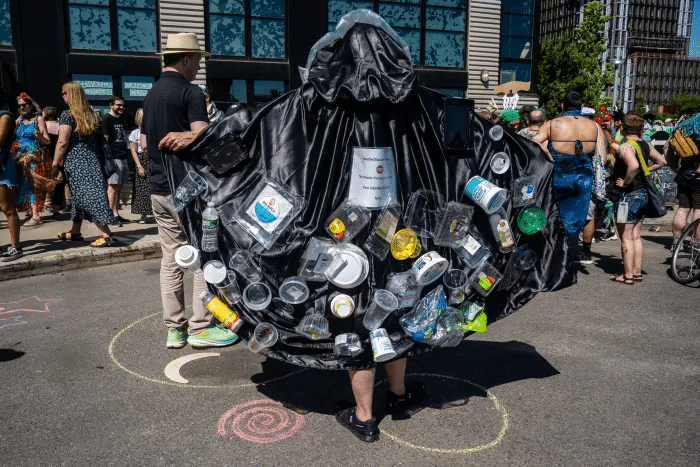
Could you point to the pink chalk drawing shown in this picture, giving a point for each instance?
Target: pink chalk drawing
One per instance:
(14, 321)
(260, 421)
(32, 305)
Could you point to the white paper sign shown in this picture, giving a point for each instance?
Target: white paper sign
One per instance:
(373, 177)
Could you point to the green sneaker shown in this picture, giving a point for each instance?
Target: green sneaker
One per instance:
(177, 338)
(213, 336)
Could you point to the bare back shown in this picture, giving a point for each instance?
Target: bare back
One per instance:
(563, 132)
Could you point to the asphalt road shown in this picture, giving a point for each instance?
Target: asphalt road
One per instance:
(596, 374)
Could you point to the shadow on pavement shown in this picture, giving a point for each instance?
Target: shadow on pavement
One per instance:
(55, 245)
(7, 355)
(485, 364)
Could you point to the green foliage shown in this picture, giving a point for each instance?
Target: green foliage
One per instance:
(572, 63)
(690, 103)
(639, 107)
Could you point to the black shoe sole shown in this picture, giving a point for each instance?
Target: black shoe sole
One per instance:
(360, 436)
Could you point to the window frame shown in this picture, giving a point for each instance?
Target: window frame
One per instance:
(533, 45)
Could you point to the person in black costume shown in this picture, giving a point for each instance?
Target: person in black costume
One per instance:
(359, 90)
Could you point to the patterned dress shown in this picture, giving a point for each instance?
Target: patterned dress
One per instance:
(141, 192)
(87, 183)
(26, 144)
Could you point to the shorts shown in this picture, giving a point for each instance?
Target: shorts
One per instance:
(689, 196)
(637, 205)
(591, 210)
(121, 176)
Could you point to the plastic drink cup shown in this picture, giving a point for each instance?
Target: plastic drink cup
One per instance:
(257, 296)
(226, 316)
(265, 335)
(187, 257)
(455, 281)
(294, 290)
(531, 220)
(192, 185)
(243, 264)
(485, 194)
(228, 288)
(382, 348)
(383, 303)
(214, 272)
(347, 345)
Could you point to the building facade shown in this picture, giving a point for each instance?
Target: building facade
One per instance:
(257, 46)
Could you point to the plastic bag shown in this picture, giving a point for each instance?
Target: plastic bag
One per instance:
(421, 321)
(449, 329)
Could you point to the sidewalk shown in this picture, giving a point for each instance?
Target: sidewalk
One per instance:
(44, 253)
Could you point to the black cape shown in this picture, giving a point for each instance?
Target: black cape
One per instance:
(361, 91)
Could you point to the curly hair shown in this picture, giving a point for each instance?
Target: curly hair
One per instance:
(86, 119)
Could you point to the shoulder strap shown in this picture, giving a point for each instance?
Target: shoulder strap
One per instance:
(640, 156)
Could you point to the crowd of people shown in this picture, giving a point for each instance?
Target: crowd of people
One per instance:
(54, 164)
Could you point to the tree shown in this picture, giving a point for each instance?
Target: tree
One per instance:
(573, 63)
(689, 103)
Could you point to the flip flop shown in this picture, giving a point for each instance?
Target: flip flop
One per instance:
(622, 279)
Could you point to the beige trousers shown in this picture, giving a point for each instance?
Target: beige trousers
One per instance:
(172, 290)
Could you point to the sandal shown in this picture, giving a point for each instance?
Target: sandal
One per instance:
(637, 277)
(622, 279)
(103, 241)
(70, 236)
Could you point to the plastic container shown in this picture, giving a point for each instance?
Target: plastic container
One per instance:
(187, 257)
(455, 281)
(382, 305)
(316, 260)
(470, 310)
(268, 210)
(293, 290)
(403, 345)
(379, 241)
(429, 267)
(210, 228)
(531, 220)
(523, 191)
(226, 316)
(485, 279)
(500, 163)
(422, 211)
(347, 221)
(405, 288)
(355, 270)
(265, 335)
(257, 296)
(245, 266)
(496, 133)
(474, 250)
(405, 244)
(214, 272)
(382, 348)
(453, 225)
(190, 187)
(500, 227)
(347, 345)
(485, 194)
(342, 306)
(313, 326)
(228, 289)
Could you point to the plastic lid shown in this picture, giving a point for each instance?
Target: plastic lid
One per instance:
(500, 162)
(354, 271)
(214, 272)
(257, 296)
(294, 290)
(186, 253)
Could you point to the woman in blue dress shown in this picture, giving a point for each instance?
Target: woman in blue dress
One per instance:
(13, 185)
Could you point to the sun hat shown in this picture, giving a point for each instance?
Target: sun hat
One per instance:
(184, 42)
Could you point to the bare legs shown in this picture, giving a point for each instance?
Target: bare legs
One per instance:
(7, 204)
(588, 232)
(362, 382)
(631, 248)
(113, 193)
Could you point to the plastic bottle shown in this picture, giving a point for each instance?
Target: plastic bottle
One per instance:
(210, 225)
(226, 316)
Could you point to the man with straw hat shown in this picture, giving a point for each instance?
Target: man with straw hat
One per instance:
(174, 113)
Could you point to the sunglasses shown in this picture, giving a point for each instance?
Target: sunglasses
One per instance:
(22, 105)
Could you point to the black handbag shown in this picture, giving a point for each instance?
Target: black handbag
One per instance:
(656, 207)
(109, 167)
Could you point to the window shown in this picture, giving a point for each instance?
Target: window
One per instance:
(435, 30)
(247, 28)
(126, 25)
(517, 21)
(261, 90)
(5, 26)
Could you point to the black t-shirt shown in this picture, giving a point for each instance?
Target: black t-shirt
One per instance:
(116, 131)
(170, 105)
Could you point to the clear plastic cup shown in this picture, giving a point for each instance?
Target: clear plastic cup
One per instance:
(383, 303)
(257, 296)
(455, 281)
(192, 185)
(228, 288)
(243, 264)
(347, 345)
(265, 335)
(294, 290)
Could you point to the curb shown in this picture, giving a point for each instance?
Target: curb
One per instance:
(52, 263)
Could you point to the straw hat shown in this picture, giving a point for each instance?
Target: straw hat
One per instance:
(184, 42)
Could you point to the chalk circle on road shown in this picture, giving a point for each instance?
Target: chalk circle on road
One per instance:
(260, 421)
(468, 450)
(172, 369)
(179, 362)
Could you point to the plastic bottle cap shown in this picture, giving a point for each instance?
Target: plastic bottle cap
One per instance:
(186, 256)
